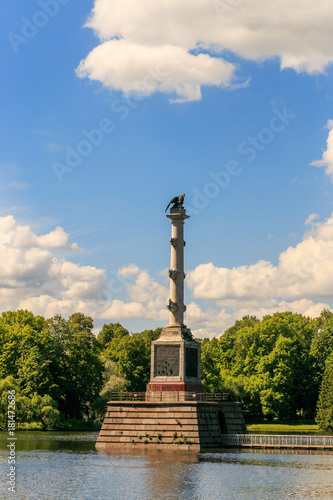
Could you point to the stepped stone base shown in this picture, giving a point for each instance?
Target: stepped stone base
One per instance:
(196, 426)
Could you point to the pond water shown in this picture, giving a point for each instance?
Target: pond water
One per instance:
(61, 466)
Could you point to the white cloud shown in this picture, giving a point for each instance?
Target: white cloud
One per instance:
(144, 69)
(29, 272)
(130, 270)
(151, 46)
(327, 158)
(311, 219)
(305, 270)
(118, 309)
(31, 277)
(16, 236)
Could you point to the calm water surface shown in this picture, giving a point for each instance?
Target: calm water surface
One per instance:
(66, 466)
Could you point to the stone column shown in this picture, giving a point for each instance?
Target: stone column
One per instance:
(176, 272)
(175, 355)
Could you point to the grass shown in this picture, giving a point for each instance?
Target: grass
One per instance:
(65, 425)
(297, 428)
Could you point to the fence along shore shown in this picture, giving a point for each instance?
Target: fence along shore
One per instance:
(277, 441)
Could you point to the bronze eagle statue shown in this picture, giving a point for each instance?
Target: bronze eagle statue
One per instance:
(177, 201)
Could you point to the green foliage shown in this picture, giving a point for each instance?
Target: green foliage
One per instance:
(210, 366)
(82, 385)
(322, 342)
(50, 358)
(108, 333)
(32, 409)
(268, 365)
(63, 375)
(131, 353)
(112, 378)
(324, 417)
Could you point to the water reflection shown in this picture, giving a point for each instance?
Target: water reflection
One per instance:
(67, 466)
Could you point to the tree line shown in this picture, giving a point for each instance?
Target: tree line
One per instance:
(280, 367)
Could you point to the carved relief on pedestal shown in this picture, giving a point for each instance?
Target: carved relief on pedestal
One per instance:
(187, 335)
(173, 274)
(174, 241)
(172, 306)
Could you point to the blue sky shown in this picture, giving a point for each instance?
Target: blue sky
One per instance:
(228, 101)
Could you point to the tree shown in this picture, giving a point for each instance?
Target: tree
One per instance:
(35, 409)
(322, 342)
(83, 370)
(112, 378)
(324, 417)
(22, 318)
(211, 365)
(131, 353)
(19, 332)
(108, 332)
(270, 366)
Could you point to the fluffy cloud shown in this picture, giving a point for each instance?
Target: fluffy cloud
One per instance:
(15, 236)
(305, 270)
(151, 46)
(327, 158)
(126, 66)
(130, 270)
(31, 277)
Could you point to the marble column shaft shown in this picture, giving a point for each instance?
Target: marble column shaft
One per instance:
(176, 304)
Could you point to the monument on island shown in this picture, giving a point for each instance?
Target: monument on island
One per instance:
(175, 356)
(174, 412)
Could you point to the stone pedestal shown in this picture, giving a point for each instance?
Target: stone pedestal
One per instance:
(179, 425)
(175, 362)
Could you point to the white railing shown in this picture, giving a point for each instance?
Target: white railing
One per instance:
(171, 396)
(277, 441)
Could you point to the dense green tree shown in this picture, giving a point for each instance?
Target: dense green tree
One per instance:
(108, 332)
(211, 365)
(131, 353)
(83, 369)
(22, 318)
(33, 408)
(19, 332)
(270, 365)
(322, 342)
(113, 381)
(324, 417)
(61, 371)
(55, 358)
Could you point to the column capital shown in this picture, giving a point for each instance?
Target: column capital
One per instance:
(178, 213)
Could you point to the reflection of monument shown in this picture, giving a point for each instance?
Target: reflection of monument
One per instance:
(175, 362)
(175, 412)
